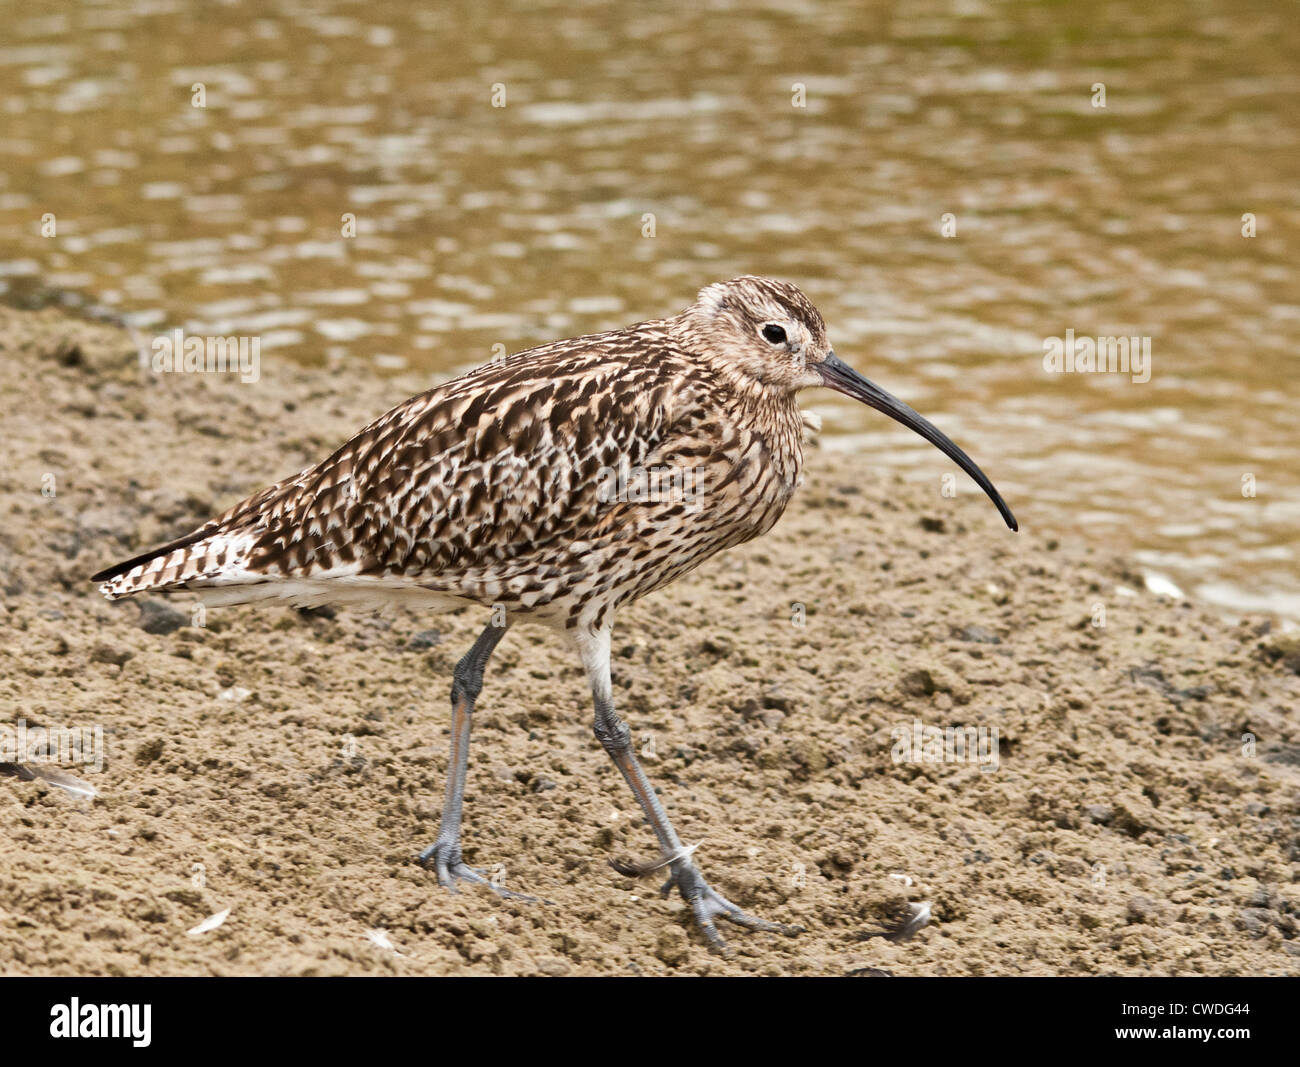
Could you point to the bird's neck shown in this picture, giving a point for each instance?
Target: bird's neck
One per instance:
(767, 413)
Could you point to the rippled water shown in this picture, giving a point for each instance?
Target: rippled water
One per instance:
(480, 225)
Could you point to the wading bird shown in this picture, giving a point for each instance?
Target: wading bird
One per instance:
(499, 488)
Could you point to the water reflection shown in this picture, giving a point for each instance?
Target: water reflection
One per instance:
(478, 225)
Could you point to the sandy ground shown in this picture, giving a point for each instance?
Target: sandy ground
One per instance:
(288, 767)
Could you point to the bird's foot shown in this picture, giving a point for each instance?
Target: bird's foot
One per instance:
(445, 858)
(708, 905)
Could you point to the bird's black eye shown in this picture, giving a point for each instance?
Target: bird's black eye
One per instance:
(773, 334)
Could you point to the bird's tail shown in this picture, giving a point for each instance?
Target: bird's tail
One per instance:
(203, 558)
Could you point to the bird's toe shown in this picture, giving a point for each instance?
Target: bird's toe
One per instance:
(708, 905)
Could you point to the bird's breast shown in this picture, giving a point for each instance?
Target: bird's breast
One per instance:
(765, 473)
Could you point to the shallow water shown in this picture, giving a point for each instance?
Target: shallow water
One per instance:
(480, 225)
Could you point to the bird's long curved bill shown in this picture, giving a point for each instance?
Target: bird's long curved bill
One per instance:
(838, 375)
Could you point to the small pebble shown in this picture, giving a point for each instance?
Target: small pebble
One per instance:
(425, 639)
(157, 617)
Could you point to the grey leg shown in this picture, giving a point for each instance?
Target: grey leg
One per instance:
(705, 902)
(467, 683)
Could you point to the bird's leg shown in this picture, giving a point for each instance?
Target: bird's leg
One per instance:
(705, 902)
(467, 683)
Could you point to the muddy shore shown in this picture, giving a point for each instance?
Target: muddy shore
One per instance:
(1141, 817)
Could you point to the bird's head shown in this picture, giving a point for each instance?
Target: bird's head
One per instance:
(763, 330)
(768, 335)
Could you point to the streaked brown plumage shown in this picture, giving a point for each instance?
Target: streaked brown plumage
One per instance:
(536, 484)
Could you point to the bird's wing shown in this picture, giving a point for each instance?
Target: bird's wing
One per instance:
(466, 482)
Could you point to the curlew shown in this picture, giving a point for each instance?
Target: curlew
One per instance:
(554, 486)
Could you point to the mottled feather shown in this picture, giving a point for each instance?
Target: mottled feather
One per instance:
(500, 486)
